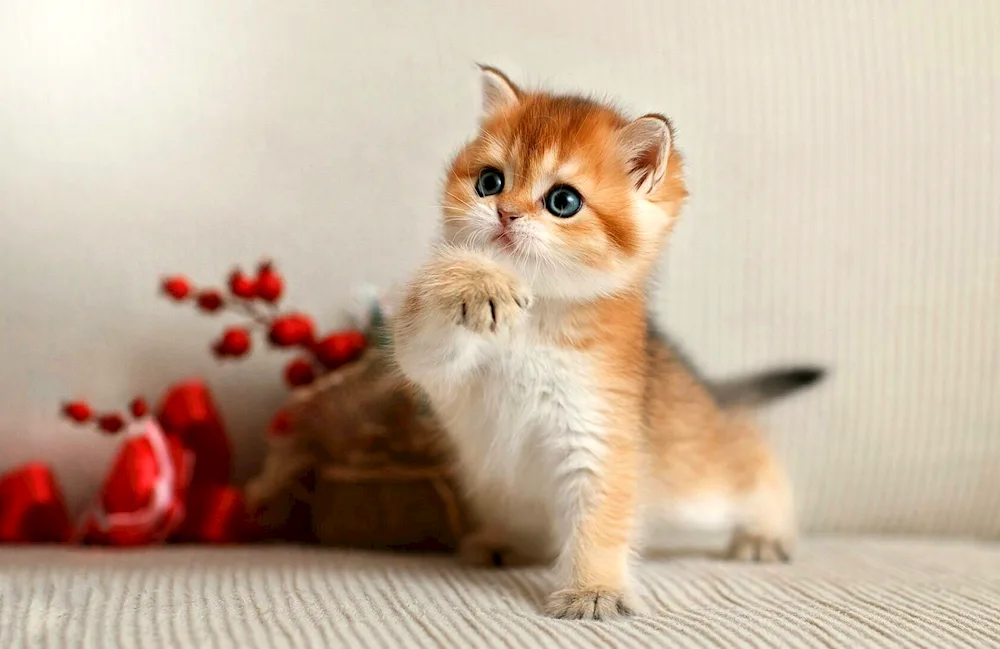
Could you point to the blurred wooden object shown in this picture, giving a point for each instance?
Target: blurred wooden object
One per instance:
(378, 459)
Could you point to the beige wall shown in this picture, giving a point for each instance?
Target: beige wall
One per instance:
(845, 203)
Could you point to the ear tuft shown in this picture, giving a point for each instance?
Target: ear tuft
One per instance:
(647, 142)
(499, 92)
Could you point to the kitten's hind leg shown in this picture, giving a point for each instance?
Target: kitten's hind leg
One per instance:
(765, 528)
(758, 520)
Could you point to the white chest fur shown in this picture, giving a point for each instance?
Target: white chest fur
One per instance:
(517, 423)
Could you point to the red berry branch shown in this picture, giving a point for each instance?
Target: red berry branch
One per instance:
(110, 422)
(257, 298)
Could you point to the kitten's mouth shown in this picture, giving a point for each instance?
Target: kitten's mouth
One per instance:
(504, 240)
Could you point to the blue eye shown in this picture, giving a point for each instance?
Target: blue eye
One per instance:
(490, 182)
(563, 201)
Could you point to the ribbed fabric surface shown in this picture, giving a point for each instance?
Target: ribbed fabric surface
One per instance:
(839, 593)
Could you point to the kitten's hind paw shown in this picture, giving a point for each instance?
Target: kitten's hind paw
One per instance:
(760, 548)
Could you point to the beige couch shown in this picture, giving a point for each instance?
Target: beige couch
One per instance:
(845, 210)
(858, 592)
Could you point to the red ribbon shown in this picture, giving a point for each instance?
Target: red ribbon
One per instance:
(162, 486)
(142, 501)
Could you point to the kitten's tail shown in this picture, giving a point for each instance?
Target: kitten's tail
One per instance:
(759, 389)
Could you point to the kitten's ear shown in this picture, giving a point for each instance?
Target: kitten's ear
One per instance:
(646, 143)
(499, 92)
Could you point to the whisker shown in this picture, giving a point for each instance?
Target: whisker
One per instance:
(461, 200)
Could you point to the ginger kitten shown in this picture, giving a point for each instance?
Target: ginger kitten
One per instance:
(572, 420)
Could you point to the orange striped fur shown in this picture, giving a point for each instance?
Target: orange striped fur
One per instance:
(528, 331)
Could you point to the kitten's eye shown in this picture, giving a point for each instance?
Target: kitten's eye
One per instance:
(563, 201)
(490, 182)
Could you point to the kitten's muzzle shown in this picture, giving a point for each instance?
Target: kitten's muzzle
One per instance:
(507, 216)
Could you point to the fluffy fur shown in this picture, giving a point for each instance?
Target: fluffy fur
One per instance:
(571, 419)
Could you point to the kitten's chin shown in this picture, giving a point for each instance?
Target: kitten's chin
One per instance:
(507, 246)
(560, 280)
(501, 246)
(548, 278)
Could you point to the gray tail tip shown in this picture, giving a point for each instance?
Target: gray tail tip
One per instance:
(762, 388)
(804, 376)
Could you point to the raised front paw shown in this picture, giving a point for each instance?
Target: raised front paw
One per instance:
(477, 293)
(586, 604)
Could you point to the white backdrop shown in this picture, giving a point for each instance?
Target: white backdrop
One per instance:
(843, 161)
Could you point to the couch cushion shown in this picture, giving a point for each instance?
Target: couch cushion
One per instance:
(869, 593)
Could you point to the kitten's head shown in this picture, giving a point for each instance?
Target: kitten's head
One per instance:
(572, 194)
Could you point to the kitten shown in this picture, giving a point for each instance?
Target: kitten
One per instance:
(571, 418)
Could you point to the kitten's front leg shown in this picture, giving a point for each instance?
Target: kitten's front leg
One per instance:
(454, 309)
(599, 503)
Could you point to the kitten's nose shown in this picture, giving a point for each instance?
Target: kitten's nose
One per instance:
(507, 216)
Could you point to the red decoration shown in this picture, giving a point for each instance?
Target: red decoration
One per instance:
(280, 423)
(210, 301)
(299, 372)
(291, 330)
(138, 407)
(111, 423)
(217, 515)
(77, 411)
(234, 342)
(188, 414)
(284, 329)
(339, 348)
(142, 499)
(169, 481)
(177, 287)
(170, 478)
(31, 507)
(242, 286)
(269, 283)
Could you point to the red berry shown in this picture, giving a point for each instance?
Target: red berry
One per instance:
(111, 423)
(234, 342)
(299, 372)
(177, 287)
(242, 286)
(291, 330)
(269, 284)
(138, 407)
(77, 411)
(340, 348)
(210, 301)
(280, 423)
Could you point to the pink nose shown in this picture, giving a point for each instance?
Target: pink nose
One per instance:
(507, 216)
